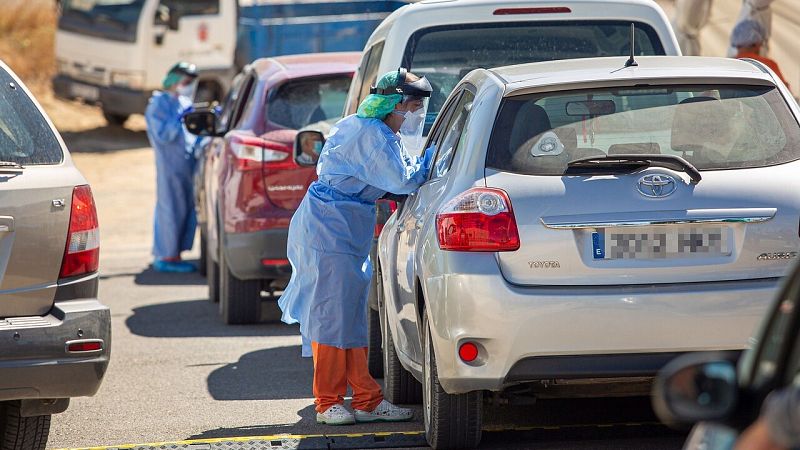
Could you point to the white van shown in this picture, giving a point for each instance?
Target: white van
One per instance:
(444, 40)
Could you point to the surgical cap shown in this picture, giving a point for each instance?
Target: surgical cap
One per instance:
(177, 72)
(378, 106)
(747, 33)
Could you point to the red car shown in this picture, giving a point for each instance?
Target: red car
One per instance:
(249, 184)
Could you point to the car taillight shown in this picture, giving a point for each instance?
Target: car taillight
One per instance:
(478, 220)
(252, 153)
(385, 209)
(82, 254)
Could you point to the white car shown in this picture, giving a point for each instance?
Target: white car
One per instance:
(584, 222)
(444, 40)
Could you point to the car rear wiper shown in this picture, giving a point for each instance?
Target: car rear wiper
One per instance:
(630, 163)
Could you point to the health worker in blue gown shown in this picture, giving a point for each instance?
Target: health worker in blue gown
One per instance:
(366, 156)
(175, 220)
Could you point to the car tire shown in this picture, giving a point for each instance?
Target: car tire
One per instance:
(452, 421)
(239, 300)
(22, 433)
(374, 327)
(202, 265)
(375, 344)
(212, 276)
(399, 386)
(115, 120)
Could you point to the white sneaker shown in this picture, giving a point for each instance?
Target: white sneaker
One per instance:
(384, 412)
(336, 415)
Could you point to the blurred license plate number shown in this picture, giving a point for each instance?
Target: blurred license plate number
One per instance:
(85, 92)
(660, 243)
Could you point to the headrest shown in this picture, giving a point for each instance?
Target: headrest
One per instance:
(638, 148)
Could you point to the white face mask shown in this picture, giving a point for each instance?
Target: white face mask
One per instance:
(187, 90)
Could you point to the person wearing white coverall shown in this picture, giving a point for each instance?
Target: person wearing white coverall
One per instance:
(175, 220)
(329, 241)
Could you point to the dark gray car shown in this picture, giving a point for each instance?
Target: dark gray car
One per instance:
(55, 335)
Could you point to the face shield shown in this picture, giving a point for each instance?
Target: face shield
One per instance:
(416, 93)
(188, 88)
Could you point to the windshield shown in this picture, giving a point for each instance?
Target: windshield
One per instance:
(25, 136)
(298, 103)
(445, 54)
(110, 19)
(712, 127)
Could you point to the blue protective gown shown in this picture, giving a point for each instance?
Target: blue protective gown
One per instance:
(175, 219)
(331, 232)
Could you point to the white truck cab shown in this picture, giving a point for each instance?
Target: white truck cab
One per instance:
(115, 52)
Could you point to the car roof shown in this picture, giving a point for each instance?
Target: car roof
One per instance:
(305, 65)
(612, 69)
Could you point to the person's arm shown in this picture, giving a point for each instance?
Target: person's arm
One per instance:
(399, 174)
(164, 125)
(778, 427)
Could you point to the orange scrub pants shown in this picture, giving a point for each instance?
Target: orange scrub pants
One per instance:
(335, 369)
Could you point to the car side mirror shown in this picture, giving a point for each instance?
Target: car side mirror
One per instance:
(307, 147)
(173, 20)
(201, 123)
(695, 388)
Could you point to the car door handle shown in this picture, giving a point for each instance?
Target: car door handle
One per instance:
(418, 224)
(401, 227)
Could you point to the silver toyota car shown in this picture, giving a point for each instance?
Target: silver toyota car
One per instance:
(585, 222)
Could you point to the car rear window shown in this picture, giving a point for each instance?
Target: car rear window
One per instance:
(712, 127)
(445, 54)
(25, 136)
(298, 103)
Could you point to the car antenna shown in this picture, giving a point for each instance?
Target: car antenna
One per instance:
(631, 62)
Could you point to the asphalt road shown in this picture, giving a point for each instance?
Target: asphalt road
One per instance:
(177, 373)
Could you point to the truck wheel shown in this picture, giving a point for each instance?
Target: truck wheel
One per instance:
(239, 300)
(452, 421)
(114, 119)
(399, 386)
(202, 268)
(22, 433)
(212, 275)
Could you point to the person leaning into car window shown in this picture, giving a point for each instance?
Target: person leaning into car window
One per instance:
(330, 237)
(778, 427)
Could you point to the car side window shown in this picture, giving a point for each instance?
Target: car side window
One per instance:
(451, 135)
(226, 112)
(241, 102)
(192, 8)
(358, 80)
(371, 71)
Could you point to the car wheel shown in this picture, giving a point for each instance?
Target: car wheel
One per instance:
(115, 120)
(202, 265)
(452, 421)
(239, 300)
(212, 275)
(22, 433)
(374, 326)
(399, 386)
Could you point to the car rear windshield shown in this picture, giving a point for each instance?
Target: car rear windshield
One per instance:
(25, 136)
(712, 127)
(445, 54)
(298, 103)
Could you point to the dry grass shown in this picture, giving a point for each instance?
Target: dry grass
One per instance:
(27, 35)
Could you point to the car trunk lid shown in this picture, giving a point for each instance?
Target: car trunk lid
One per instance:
(606, 230)
(34, 220)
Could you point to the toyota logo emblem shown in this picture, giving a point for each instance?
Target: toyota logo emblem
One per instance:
(657, 186)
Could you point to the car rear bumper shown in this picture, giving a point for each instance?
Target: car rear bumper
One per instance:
(114, 99)
(523, 332)
(258, 255)
(34, 360)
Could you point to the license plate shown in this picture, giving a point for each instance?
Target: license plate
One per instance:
(660, 242)
(85, 92)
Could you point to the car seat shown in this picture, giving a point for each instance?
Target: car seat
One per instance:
(697, 121)
(636, 148)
